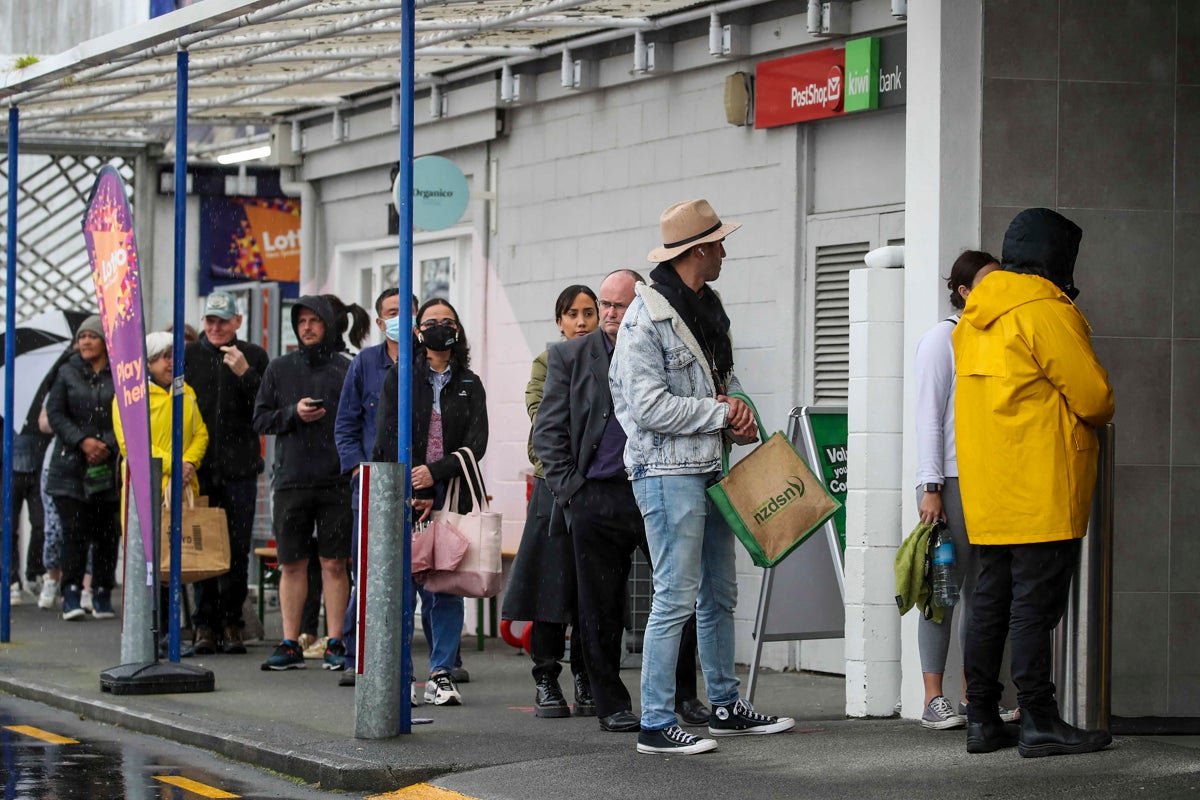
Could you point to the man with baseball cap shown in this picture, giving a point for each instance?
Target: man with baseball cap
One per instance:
(671, 374)
(225, 373)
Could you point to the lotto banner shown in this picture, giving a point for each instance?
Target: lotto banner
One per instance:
(250, 238)
(108, 232)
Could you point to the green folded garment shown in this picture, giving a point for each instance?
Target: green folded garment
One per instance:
(912, 579)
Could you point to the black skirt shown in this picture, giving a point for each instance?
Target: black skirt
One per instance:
(541, 585)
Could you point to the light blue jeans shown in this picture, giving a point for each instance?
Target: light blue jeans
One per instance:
(692, 550)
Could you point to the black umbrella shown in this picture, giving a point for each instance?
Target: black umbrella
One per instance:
(41, 343)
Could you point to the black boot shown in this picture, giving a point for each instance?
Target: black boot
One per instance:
(990, 736)
(1043, 733)
(550, 702)
(585, 705)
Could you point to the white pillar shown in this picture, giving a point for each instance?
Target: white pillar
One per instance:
(942, 217)
(876, 395)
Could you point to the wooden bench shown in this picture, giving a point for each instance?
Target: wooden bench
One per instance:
(266, 556)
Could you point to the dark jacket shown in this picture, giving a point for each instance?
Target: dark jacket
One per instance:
(227, 407)
(305, 454)
(575, 408)
(464, 422)
(1044, 243)
(79, 406)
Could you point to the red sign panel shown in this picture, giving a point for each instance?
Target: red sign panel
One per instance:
(799, 88)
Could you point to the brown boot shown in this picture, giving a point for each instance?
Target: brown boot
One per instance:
(205, 643)
(232, 643)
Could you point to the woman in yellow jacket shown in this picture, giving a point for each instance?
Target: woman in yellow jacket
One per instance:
(159, 362)
(1030, 395)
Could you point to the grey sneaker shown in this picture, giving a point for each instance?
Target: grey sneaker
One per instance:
(1006, 714)
(673, 740)
(940, 716)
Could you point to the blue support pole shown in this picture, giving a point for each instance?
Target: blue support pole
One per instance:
(404, 362)
(181, 132)
(10, 356)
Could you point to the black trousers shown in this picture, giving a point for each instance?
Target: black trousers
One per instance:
(547, 645)
(606, 527)
(27, 488)
(219, 600)
(1021, 593)
(94, 524)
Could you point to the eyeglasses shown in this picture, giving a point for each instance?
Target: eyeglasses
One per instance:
(607, 306)
(430, 324)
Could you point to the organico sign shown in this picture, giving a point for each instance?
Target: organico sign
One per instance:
(798, 88)
(868, 74)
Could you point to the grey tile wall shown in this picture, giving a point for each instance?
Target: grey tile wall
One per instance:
(1116, 145)
(1020, 142)
(1185, 304)
(1139, 371)
(1032, 54)
(1141, 528)
(1184, 551)
(1188, 48)
(1139, 654)
(1185, 394)
(1187, 150)
(1124, 270)
(994, 223)
(1118, 40)
(1184, 654)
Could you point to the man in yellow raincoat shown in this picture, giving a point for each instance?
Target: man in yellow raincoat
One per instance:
(1030, 394)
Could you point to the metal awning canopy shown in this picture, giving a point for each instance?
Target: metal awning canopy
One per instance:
(253, 62)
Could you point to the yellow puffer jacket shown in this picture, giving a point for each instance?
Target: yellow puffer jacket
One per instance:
(195, 433)
(1030, 395)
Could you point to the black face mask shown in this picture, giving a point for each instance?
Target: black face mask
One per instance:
(439, 338)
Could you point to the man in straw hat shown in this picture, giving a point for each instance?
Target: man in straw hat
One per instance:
(670, 376)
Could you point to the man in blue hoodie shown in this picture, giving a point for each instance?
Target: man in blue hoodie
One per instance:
(297, 403)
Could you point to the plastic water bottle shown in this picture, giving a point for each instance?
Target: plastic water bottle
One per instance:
(945, 577)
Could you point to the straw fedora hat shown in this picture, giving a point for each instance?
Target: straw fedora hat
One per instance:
(687, 224)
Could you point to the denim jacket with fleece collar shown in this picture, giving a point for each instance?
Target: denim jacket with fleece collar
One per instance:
(663, 392)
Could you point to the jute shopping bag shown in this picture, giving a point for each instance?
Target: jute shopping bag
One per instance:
(204, 541)
(479, 573)
(771, 499)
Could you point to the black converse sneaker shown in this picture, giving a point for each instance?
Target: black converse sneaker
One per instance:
(673, 740)
(740, 719)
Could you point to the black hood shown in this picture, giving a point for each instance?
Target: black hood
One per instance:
(1043, 242)
(320, 352)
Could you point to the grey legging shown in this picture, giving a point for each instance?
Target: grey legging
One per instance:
(933, 639)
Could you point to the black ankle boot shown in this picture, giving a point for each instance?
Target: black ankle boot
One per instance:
(990, 736)
(585, 706)
(550, 702)
(1043, 733)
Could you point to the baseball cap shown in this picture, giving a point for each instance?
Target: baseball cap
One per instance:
(221, 304)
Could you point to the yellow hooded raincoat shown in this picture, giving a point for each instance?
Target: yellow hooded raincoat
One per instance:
(1030, 393)
(195, 433)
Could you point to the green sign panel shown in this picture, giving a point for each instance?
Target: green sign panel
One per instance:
(831, 434)
(862, 74)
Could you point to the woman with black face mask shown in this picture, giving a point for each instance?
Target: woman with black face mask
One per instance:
(449, 411)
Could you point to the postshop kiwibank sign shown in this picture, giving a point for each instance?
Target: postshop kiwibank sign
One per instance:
(866, 74)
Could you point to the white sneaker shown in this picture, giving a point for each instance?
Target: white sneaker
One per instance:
(49, 596)
(85, 601)
(14, 595)
(414, 699)
(441, 691)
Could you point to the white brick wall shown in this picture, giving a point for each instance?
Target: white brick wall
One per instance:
(873, 500)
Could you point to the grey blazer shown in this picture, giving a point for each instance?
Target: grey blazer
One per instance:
(576, 405)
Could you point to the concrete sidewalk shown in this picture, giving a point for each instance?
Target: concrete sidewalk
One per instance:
(300, 723)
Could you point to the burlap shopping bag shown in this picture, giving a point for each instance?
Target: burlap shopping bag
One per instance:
(771, 499)
(204, 541)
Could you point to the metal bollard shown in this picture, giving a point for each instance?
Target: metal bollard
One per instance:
(137, 638)
(1083, 640)
(384, 643)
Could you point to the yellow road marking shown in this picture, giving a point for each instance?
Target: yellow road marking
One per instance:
(421, 791)
(202, 789)
(38, 733)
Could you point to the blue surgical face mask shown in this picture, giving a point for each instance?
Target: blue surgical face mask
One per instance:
(414, 321)
(391, 328)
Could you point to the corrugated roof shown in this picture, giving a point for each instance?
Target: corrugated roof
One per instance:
(257, 61)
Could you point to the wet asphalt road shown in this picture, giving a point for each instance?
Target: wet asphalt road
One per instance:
(108, 762)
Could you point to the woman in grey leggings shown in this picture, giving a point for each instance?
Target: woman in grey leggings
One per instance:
(937, 483)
